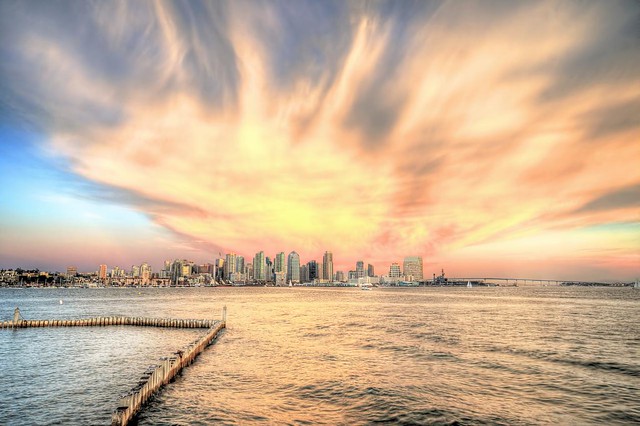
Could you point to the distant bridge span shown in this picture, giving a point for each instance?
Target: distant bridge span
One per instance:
(525, 281)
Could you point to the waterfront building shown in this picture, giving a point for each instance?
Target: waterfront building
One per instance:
(304, 273)
(240, 264)
(269, 269)
(412, 266)
(229, 265)
(340, 276)
(312, 268)
(327, 266)
(72, 271)
(370, 272)
(248, 271)
(259, 267)
(115, 272)
(102, 272)
(145, 273)
(394, 270)
(279, 265)
(186, 269)
(293, 267)
(219, 269)
(280, 278)
(135, 271)
(359, 269)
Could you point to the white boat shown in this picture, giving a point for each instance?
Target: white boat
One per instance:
(365, 288)
(290, 283)
(637, 285)
(469, 285)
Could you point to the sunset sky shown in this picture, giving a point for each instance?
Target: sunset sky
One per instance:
(491, 138)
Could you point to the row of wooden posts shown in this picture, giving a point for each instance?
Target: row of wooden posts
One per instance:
(106, 321)
(156, 376)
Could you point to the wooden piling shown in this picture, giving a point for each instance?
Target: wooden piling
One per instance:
(162, 374)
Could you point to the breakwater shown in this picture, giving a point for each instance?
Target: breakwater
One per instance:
(110, 321)
(156, 375)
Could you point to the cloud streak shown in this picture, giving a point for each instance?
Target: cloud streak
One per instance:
(375, 130)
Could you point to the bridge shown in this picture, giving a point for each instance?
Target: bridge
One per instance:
(524, 281)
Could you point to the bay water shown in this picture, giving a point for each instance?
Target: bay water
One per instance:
(526, 355)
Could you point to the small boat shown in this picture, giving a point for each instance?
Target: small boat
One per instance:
(365, 288)
(61, 302)
(469, 285)
(637, 285)
(290, 283)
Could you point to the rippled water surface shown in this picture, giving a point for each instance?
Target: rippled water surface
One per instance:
(333, 356)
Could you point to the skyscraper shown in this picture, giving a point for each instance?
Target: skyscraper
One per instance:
(279, 264)
(240, 264)
(370, 272)
(293, 267)
(359, 269)
(413, 266)
(269, 269)
(327, 264)
(304, 273)
(229, 265)
(259, 267)
(145, 273)
(102, 273)
(394, 270)
(312, 267)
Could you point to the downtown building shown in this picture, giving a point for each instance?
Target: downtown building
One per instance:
(412, 268)
(293, 267)
(327, 266)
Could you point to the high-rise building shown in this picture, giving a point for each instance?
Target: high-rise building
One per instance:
(279, 264)
(145, 273)
(102, 273)
(293, 267)
(229, 265)
(248, 268)
(312, 268)
(339, 276)
(259, 267)
(304, 273)
(359, 269)
(240, 264)
(370, 272)
(412, 266)
(135, 271)
(327, 264)
(394, 270)
(269, 269)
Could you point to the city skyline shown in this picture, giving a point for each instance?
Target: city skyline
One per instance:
(489, 139)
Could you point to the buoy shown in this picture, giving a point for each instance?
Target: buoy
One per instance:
(61, 302)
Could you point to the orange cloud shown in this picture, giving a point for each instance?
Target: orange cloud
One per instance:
(452, 136)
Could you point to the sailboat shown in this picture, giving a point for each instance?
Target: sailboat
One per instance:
(469, 284)
(637, 285)
(290, 283)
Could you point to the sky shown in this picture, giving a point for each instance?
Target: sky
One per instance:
(490, 138)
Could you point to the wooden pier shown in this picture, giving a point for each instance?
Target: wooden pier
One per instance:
(157, 375)
(108, 321)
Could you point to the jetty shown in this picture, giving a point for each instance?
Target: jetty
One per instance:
(156, 375)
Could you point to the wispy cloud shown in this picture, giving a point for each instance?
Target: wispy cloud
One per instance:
(374, 129)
